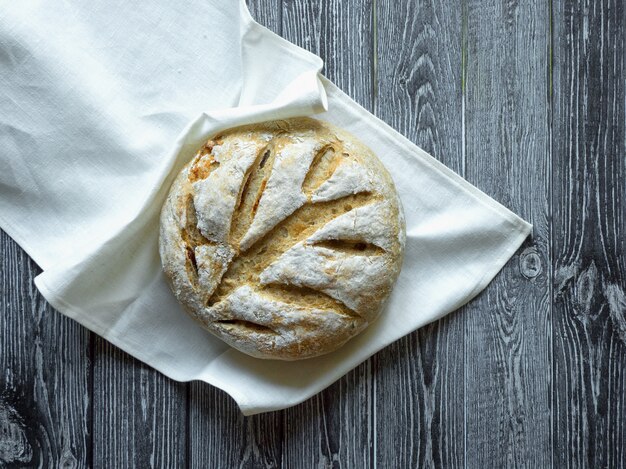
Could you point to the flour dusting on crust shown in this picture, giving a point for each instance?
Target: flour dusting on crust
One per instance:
(212, 261)
(216, 196)
(350, 177)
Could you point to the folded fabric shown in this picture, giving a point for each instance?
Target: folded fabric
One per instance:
(102, 105)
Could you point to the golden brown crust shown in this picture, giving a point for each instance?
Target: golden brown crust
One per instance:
(283, 238)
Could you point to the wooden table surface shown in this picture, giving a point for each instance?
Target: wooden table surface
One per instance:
(526, 100)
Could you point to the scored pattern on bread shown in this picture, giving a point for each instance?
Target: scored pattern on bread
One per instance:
(292, 238)
(283, 193)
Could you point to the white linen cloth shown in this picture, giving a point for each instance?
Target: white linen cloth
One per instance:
(102, 103)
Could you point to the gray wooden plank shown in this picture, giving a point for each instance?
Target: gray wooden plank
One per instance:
(418, 73)
(589, 242)
(335, 427)
(507, 144)
(269, 13)
(220, 436)
(419, 405)
(341, 33)
(44, 384)
(139, 415)
(419, 379)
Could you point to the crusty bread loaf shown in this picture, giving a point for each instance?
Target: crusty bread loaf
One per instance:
(283, 238)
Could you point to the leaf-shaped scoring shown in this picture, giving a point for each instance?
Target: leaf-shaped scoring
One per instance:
(287, 216)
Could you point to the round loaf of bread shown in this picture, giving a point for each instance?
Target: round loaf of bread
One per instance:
(283, 238)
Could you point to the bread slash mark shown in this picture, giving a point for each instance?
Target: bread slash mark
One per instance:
(191, 256)
(323, 166)
(251, 193)
(192, 238)
(229, 324)
(353, 247)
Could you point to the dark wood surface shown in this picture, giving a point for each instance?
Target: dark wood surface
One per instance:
(526, 100)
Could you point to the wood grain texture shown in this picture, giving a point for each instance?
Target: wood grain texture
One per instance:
(45, 373)
(139, 415)
(507, 145)
(419, 379)
(342, 34)
(269, 13)
(335, 428)
(220, 436)
(419, 75)
(589, 180)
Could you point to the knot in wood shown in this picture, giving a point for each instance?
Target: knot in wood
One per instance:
(14, 445)
(530, 263)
